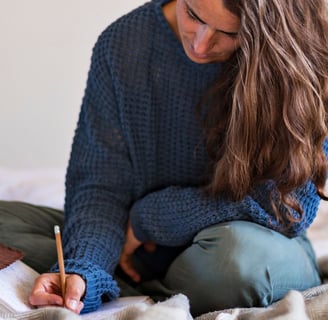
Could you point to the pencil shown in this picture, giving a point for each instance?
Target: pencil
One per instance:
(60, 260)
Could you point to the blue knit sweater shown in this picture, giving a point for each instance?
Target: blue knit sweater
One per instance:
(138, 152)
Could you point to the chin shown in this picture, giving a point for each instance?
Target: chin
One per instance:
(206, 58)
(203, 60)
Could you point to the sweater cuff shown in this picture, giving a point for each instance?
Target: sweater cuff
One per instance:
(99, 283)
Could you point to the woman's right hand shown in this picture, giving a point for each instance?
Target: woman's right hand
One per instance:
(47, 291)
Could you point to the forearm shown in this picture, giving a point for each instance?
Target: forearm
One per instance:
(96, 234)
(174, 215)
(93, 238)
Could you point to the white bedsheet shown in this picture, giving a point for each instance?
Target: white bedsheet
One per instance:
(37, 186)
(46, 187)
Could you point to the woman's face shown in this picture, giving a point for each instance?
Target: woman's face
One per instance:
(207, 30)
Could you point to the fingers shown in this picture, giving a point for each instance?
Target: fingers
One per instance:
(47, 291)
(127, 266)
(150, 246)
(130, 246)
(75, 288)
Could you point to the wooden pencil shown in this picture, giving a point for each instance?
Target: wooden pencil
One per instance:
(60, 260)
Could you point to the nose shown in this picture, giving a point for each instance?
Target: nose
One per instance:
(203, 40)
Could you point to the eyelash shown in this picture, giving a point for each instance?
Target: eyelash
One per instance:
(193, 17)
(232, 36)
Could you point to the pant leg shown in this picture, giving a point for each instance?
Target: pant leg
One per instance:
(237, 264)
(30, 229)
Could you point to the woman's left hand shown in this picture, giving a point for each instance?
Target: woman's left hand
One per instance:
(130, 246)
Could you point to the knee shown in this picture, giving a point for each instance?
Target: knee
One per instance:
(227, 266)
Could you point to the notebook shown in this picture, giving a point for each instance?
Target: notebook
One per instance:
(17, 280)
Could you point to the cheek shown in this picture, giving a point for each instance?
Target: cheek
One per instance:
(233, 46)
(185, 25)
(187, 28)
(226, 44)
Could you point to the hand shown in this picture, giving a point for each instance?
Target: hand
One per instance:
(47, 291)
(131, 245)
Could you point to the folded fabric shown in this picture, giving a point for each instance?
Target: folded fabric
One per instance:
(311, 304)
(175, 308)
(47, 313)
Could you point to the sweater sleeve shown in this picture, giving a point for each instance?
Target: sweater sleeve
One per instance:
(174, 215)
(98, 184)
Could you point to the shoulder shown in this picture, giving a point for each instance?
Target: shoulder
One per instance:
(134, 42)
(136, 28)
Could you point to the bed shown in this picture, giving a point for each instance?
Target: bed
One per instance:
(46, 187)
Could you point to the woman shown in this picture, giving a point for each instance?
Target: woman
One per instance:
(212, 203)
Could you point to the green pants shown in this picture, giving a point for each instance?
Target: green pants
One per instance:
(234, 264)
(30, 229)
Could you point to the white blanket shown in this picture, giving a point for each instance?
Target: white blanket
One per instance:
(294, 306)
(36, 186)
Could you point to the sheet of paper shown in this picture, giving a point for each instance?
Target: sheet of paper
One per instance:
(16, 282)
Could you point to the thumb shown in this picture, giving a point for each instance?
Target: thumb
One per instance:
(75, 289)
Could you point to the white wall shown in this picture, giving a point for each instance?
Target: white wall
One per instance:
(45, 51)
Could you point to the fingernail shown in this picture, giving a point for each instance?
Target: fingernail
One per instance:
(72, 304)
(59, 302)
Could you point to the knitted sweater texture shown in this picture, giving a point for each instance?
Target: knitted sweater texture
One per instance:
(138, 153)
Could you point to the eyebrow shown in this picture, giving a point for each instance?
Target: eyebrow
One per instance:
(203, 22)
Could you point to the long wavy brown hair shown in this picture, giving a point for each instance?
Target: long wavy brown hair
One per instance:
(266, 116)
